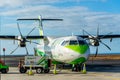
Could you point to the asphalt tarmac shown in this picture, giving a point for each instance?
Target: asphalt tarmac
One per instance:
(94, 72)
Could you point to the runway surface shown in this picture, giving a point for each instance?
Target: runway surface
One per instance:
(102, 67)
(96, 72)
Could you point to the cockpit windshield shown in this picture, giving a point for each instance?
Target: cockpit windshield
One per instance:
(73, 42)
(81, 42)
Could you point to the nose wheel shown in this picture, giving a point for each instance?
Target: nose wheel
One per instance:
(79, 67)
(76, 67)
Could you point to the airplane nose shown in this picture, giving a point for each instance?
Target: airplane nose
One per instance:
(78, 48)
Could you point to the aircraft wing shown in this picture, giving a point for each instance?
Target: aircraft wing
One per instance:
(35, 37)
(102, 36)
(9, 37)
(12, 37)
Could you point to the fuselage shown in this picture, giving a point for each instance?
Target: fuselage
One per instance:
(71, 49)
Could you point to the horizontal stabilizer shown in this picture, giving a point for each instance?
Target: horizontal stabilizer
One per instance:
(40, 19)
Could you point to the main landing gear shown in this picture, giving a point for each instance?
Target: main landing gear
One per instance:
(79, 67)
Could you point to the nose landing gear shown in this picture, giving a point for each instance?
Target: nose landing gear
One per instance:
(79, 67)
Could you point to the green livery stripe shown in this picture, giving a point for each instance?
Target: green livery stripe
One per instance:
(79, 60)
(55, 62)
(41, 60)
(40, 53)
(78, 48)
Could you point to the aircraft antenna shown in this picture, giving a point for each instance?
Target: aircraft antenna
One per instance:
(72, 34)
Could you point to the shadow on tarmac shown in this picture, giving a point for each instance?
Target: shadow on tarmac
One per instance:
(103, 68)
(89, 68)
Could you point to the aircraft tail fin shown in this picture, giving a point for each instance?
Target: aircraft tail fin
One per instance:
(40, 19)
(41, 31)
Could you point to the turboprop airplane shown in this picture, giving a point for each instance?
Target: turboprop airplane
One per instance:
(73, 50)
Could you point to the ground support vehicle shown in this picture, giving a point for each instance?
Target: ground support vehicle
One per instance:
(39, 63)
(3, 68)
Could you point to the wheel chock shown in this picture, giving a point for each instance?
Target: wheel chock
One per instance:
(84, 69)
(54, 71)
(30, 72)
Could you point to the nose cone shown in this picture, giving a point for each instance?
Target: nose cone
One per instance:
(81, 49)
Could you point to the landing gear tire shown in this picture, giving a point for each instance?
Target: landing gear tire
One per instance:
(39, 70)
(4, 71)
(22, 70)
(76, 68)
(46, 70)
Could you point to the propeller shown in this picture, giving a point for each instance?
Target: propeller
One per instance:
(26, 50)
(19, 30)
(14, 49)
(22, 40)
(96, 51)
(35, 51)
(96, 40)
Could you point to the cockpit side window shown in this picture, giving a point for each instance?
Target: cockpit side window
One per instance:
(81, 42)
(65, 43)
(73, 42)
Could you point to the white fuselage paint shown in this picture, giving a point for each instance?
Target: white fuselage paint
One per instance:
(61, 53)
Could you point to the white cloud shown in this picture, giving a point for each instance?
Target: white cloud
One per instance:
(22, 3)
(11, 3)
(74, 16)
(46, 10)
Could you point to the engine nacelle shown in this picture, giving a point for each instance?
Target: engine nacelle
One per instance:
(21, 41)
(93, 41)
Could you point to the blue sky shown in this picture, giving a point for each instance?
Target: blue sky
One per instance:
(77, 15)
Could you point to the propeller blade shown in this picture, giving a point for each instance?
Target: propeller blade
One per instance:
(14, 41)
(97, 31)
(96, 51)
(32, 42)
(31, 31)
(106, 45)
(92, 59)
(88, 33)
(35, 52)
(19, 30)
(26, 51)
(14, 49)
(111, 40)
(83, 32)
